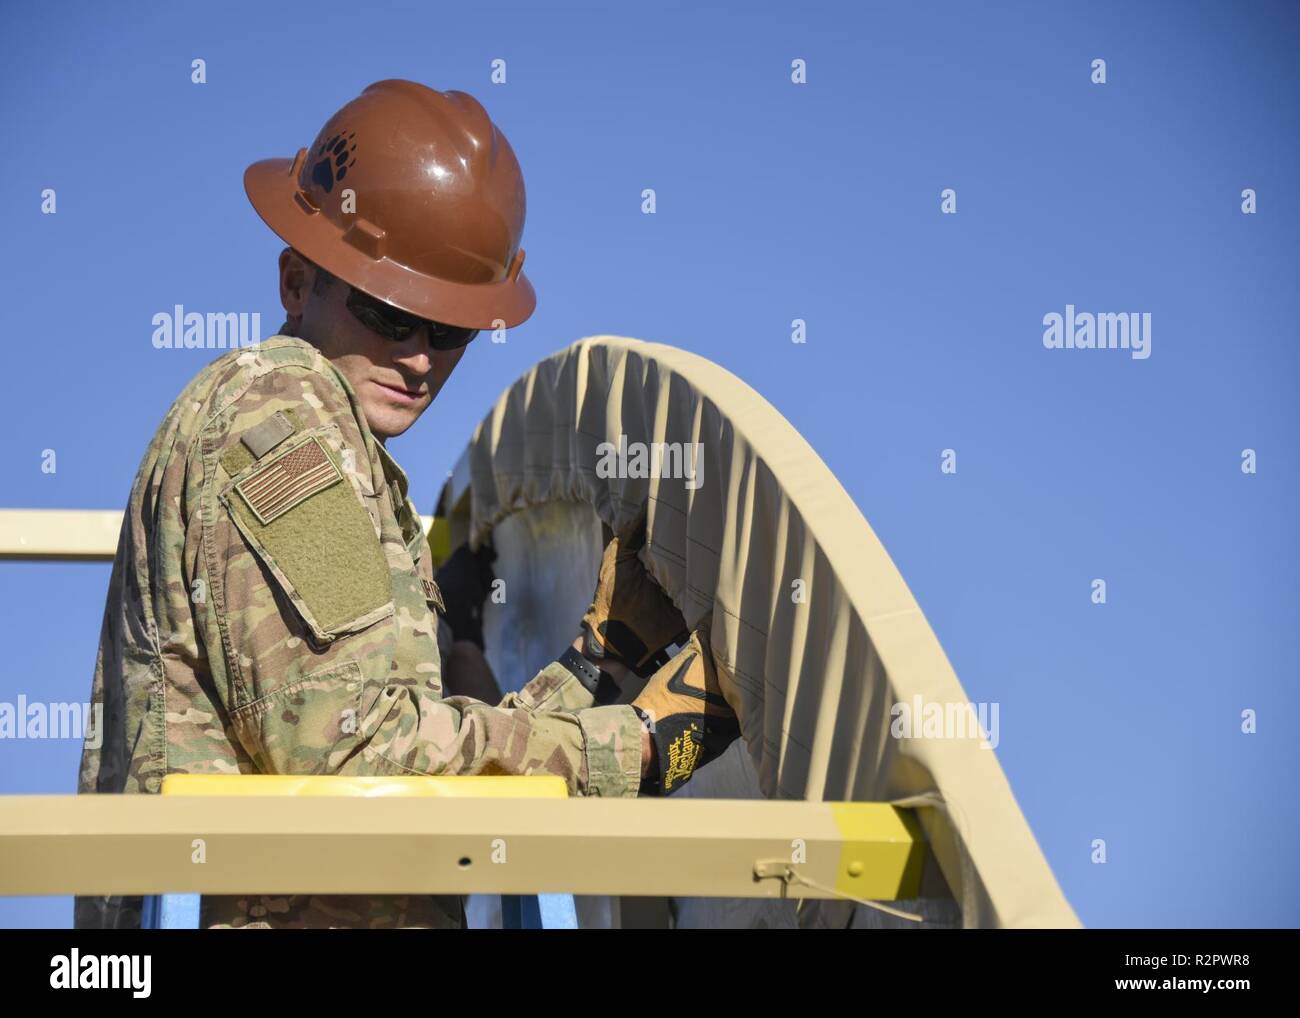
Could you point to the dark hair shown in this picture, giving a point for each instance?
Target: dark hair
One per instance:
(323, 281)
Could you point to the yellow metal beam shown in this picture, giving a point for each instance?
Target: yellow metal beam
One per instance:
(475, 786)
(152, 844)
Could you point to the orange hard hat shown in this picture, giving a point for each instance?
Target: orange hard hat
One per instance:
(413, 196)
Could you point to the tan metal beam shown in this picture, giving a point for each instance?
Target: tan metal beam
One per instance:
(70, 535)
(148, 844)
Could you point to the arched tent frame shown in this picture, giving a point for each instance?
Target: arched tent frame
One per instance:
(819, 676)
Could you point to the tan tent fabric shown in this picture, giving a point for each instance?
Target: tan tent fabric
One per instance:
(819, 676)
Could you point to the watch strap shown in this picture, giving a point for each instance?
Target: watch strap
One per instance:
(582, 669)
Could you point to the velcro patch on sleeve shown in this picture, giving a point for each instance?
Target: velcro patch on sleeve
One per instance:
(287, 480)
(324, 554)
(262, 438)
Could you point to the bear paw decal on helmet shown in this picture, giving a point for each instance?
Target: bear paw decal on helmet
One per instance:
(337, 154)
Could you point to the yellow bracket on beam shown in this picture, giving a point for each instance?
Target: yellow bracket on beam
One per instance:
(873, 840)
(539, 786)
(438, 529)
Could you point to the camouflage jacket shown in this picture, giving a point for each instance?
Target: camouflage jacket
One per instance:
(270, 611)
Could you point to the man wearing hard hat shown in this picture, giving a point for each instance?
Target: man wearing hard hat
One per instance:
(272, 606)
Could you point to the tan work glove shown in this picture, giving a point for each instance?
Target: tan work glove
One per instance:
(631, 619)
(686, 707)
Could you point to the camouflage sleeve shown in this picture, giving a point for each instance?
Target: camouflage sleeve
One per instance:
(322, 648)
(554, 688)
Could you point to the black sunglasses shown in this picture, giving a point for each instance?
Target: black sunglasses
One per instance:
(396, 324)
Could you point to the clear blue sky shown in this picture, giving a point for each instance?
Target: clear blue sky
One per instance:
(1118, 721)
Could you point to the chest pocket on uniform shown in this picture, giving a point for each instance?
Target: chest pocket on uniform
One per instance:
(302, 518)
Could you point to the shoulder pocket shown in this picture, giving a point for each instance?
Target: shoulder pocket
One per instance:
(302, 518)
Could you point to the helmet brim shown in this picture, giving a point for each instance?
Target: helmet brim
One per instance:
(272, 187)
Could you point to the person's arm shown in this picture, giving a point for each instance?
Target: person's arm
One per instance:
(466, 672)
(310, 649)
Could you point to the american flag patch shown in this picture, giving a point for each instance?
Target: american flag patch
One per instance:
(284, 482)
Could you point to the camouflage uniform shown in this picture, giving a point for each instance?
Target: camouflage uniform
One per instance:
(270, 611)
